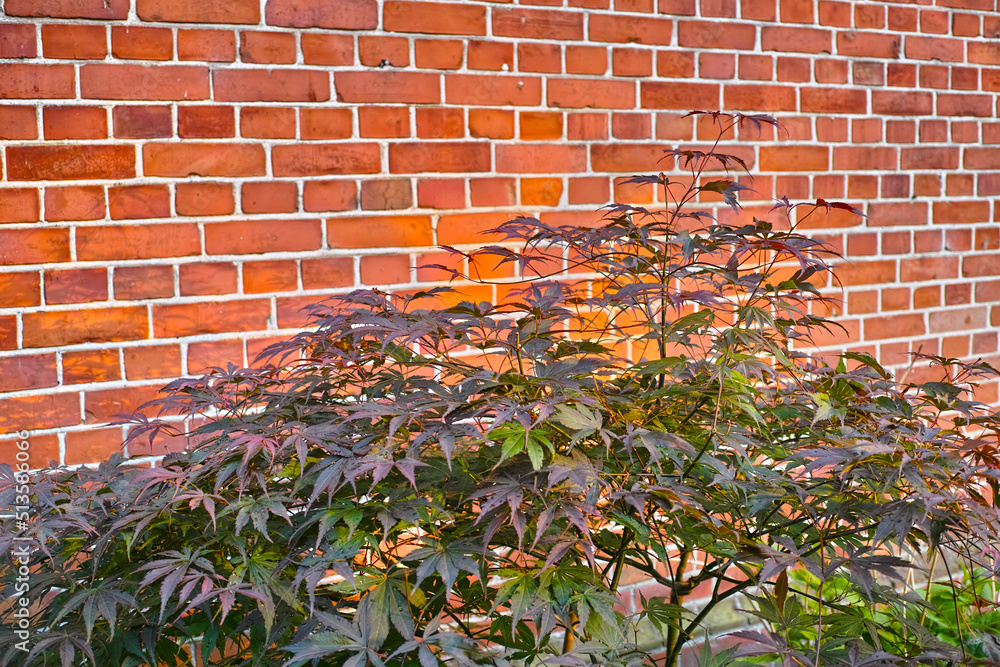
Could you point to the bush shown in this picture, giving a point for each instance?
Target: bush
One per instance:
(405, 485)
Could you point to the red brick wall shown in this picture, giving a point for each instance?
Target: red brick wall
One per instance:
(181, 176)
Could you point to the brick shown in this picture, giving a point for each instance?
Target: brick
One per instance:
(27, 413)
(438, 53)
(541, 191)
(108, 405)
(760, 98)
(723, 66)
(798, 40)
(591, 93)
(143, 282)
(540, 126)
(631, 29)
(442, 157)
(382, 51)
(383, 122)
(862, 157)
(73, 327)
(975, 266)
(206, 45)
(964, 104)
(267, 123)
(586, 59)
(544, 24)
(327, 272)
(19, 205)
(898, 213)
(272, 276)
(143, 241)
(69, 9)
(961, 212)
(17, 40)
(631, 126)
(325, 124)
(8, 332)
(588, 190)
(902, 103)
(379, 232)
(143, 82)
(894, 326)
(202, 198)
(475, 90)
(981, 158)
(868, 44)
(537, 57)
(329, 196)
(203, 122)
(929, 158)
(192, 319)
(715, 35)
(142, 122)
(203, 159)
(269, 197)
(75, 123)
(23, 81)
(382, 269)
(493, 191)
(468, 227)
(195, 11)
(386, 194)
(203, 357)
(540, 158)
(434, 17)
(952, 319)
(625, 158)
(152, 361)
(333, 14)
(20, 290)
(934, 48)
(28, 371)
(440, 123)
(631, 62)
(325, 159)
(249, 237)
(869, 74)
(833, 100)
(139, 201)
(488, 55)
(44, 450)
(491, 123)
(139, 43)
(336, 50)
(388, 87)
(85, 42)
(441, 193)
(279, 85)
(794, 158)
(67, 162)
(928, 269)
(18, 122)
(74, 203)
(673, 95)
(984, 53)
(76, 286)
(33, 246)
(261, 47)
(203, 278)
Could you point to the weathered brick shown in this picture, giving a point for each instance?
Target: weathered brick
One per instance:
(65, 162)
(72, 327)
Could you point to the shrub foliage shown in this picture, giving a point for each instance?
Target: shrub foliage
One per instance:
(410, 482)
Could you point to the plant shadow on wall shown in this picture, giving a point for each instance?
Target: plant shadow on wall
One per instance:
(411, 485)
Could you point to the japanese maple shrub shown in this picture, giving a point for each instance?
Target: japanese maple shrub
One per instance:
(412, 482)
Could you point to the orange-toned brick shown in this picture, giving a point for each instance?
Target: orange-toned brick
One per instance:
(76, 286)
(270, 276)
(201, 198)
(75, 123)
(139, 201)
(330, 196)
(203, 278)
(83, 366)
(269, 197)
(143, 282)
(141, 43)
(152, 361)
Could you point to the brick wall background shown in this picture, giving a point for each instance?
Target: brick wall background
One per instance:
(180, 177)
